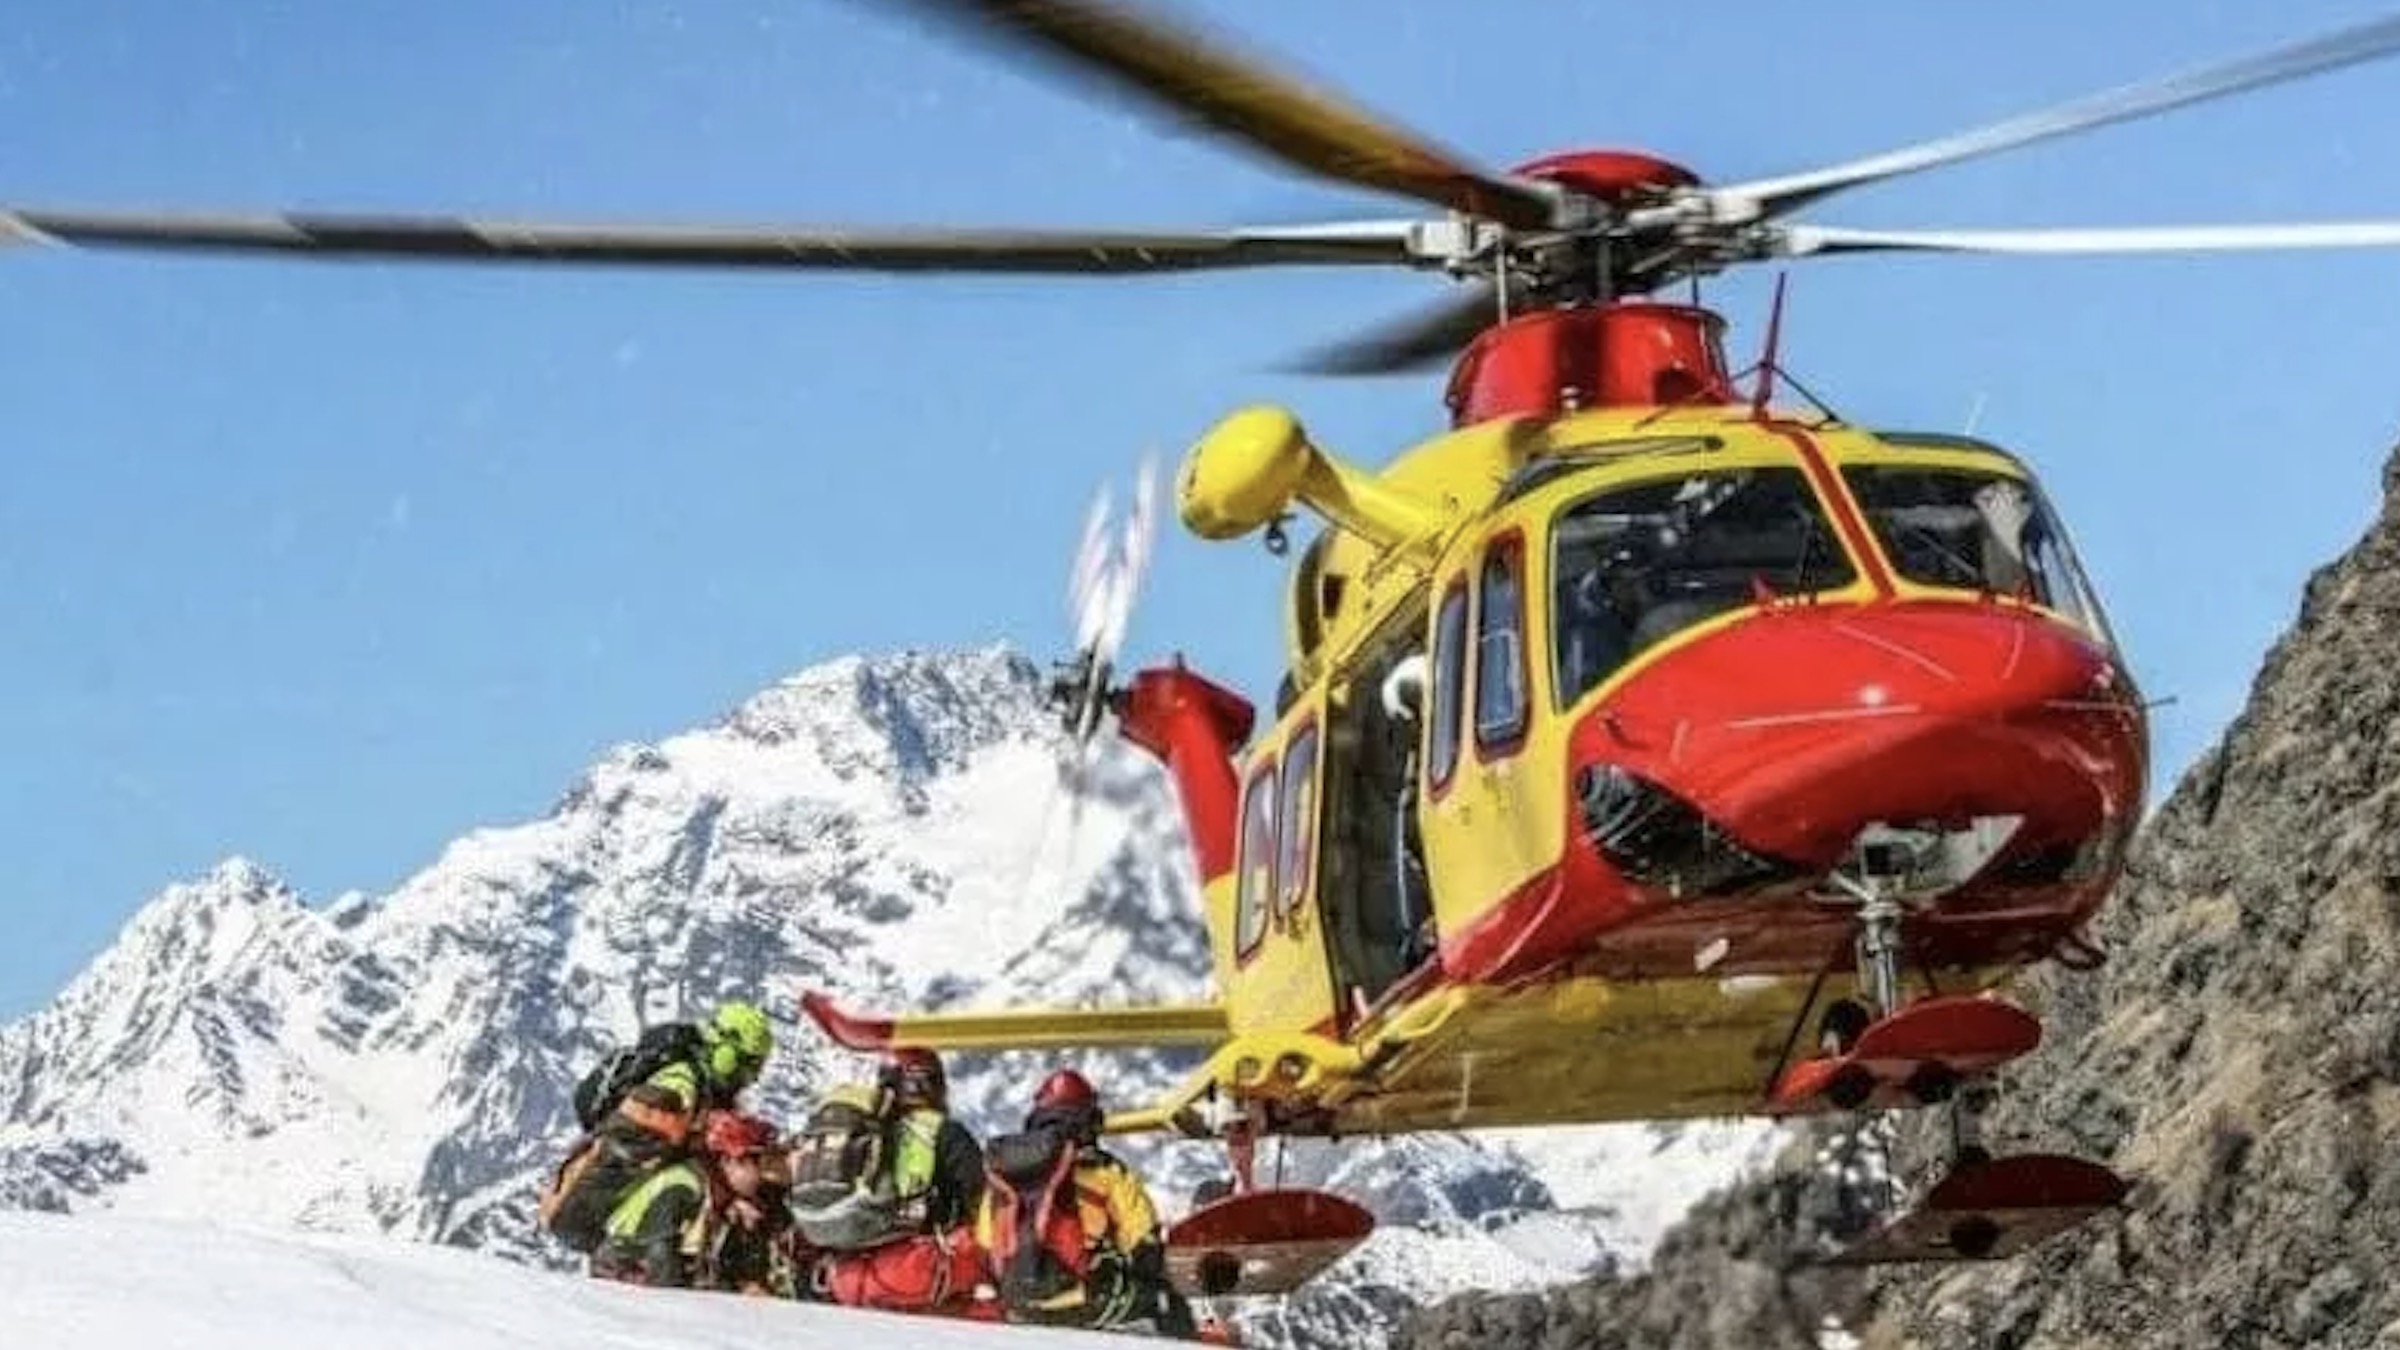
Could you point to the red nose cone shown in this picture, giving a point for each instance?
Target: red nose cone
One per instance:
(1794, 730)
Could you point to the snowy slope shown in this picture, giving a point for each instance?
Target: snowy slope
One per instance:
(109, 1283)
(887, 829)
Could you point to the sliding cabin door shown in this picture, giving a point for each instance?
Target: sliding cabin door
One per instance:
(1281, 973)
(1489, 766)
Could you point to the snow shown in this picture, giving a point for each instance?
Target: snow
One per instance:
(1834, 1336)
(113, 1283)
(891, 830)
(1641, 1178)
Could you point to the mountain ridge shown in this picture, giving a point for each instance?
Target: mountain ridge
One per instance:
(885, 829)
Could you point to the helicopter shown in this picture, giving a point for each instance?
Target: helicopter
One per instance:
(1647, 748)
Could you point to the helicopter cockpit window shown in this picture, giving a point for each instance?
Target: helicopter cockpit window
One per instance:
(1977, 531)
(1634, 564)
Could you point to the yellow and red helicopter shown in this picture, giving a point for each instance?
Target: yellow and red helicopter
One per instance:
(1646, 749)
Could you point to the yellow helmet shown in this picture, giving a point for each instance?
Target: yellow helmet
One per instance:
(739, 1041)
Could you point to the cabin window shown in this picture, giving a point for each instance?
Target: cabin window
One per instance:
(1299, 813)
(1974, 530)
(1500, 647)
(1257, 885)
(1449, 686)
(1635, 564)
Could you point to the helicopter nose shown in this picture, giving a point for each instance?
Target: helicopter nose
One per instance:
(1791, 732)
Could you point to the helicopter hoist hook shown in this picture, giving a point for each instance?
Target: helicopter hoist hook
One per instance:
(1278, 542)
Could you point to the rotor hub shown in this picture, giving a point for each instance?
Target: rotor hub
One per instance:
(1618, 177)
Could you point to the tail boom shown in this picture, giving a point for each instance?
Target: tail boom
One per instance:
(1200, 1024)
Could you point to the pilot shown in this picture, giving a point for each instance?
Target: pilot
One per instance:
(2005, 510)
(1599, 630)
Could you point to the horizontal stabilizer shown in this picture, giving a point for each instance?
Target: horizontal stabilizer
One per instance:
(1262, 1242)
(1200, 1024)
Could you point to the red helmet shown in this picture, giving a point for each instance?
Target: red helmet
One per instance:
(1066, 1088)
(1065, 1101)
(915, 1076)
(734, 1135)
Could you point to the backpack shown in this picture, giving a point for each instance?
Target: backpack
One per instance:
(627, 1065)
(575, 1205)
(838, 1162)
(1039, 1249)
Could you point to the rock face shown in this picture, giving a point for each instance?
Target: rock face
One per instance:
(2238, 1058)
(1733, 1272)
(887, 830)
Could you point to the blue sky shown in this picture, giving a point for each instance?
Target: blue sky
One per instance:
(328, 565)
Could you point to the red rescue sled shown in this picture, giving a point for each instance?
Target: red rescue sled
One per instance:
(1914, 1057)
(1992, 1209)
(1262, 1242)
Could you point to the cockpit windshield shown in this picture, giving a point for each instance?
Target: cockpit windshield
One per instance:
(1634, 564)
(1975, 530)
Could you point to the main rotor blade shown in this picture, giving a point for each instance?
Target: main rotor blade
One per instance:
(431, 238)
(1239, 96)
(2347, 47)
(1413, 342)
(1804, 240)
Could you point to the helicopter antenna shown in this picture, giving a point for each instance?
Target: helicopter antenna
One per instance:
(1764, 388)
(1975, 413)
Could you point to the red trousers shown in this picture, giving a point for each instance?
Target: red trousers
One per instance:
(914, 1274)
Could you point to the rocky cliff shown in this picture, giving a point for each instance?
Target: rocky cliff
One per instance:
(2238, 1058)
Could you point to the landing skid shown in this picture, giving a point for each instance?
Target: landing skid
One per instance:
(1991, 1209)
(1940, 1049)
(1915, 1057)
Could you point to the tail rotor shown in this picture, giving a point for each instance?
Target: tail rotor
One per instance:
(1109, 565)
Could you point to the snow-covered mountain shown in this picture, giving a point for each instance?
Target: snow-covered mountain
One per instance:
(890, 830)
